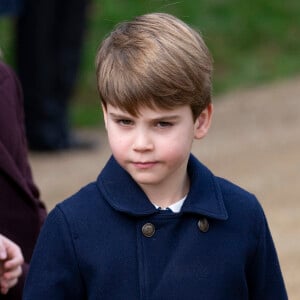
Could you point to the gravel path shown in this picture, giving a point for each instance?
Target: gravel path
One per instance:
(254, 141)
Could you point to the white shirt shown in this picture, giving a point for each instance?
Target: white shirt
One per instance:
(175, 207)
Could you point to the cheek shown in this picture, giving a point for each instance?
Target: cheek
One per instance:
(176, 149)
(116, 142)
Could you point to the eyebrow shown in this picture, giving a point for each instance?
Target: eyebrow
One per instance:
(162, 117)
(167, 118)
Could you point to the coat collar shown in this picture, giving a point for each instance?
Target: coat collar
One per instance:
(123, 194)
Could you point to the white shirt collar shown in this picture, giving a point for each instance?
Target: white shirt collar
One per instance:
(175, 207)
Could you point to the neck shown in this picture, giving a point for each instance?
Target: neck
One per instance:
(165, 195)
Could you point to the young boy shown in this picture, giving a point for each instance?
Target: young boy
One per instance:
(156, 224)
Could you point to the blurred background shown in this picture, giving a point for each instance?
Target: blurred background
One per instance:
(252, 42)
(254, 140)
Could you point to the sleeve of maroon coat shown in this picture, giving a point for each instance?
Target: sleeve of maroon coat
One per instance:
(21, 211)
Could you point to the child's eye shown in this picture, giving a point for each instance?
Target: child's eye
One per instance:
(163, 124)
(124, 122)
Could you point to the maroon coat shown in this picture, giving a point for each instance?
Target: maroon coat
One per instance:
(21, 211)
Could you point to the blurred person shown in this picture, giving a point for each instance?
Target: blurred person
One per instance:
(48, 44)
(10, 7)
(21, 211)
(11, 260)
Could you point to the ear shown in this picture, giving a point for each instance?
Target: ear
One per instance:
(104, 111)
(203, 122)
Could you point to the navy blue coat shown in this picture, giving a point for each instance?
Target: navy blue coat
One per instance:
(94, 246)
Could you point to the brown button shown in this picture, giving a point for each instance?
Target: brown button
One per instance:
(148, 230)
(203, 225)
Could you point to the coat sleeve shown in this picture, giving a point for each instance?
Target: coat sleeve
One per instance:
(264, 276)
(54, 271)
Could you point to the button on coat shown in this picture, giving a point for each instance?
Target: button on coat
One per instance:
(148, 230)
(203, 225)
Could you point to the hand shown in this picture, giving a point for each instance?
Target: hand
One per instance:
(11, 260)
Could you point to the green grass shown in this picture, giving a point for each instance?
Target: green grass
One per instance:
(252, 42)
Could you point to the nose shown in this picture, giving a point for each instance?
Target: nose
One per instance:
(143, 141)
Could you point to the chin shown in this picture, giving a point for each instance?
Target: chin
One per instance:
(145, 180)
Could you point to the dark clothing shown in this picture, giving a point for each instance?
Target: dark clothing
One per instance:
(49, 40)
(10, 7)
(21, 211)
(95, 245)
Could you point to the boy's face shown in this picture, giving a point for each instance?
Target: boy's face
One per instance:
(155, 146)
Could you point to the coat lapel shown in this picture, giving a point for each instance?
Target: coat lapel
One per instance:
(123, 194)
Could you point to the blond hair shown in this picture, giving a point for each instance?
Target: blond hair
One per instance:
(156, 60)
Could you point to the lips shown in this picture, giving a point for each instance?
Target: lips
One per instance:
(144, 165)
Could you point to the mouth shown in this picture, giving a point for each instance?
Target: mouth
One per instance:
(144, 165)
